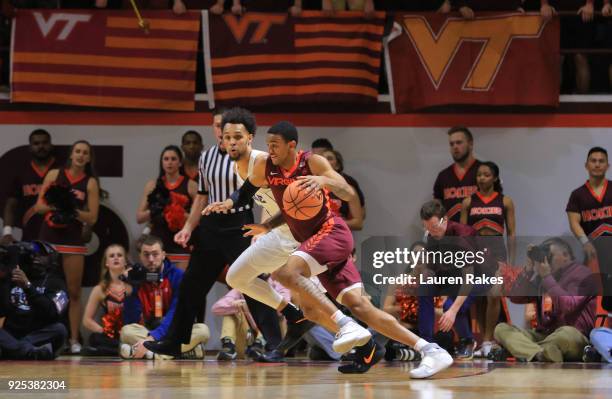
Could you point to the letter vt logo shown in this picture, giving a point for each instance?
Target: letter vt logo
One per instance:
(437, 50)
(263, 22)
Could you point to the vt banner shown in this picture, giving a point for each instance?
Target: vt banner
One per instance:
(103, 59)
(261, 58)
(494, 59)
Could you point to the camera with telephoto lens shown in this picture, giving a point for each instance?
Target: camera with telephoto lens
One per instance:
(35, 258)
(538, 253)
(139, 274)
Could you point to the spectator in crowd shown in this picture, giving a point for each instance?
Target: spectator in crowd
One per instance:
(319, 146)
(192, 146)
(467, 8)
(352, 212)
(562, 328)
(445, 235)
(221, 5)
(33, 299)
(239, 330)
(25, 187)
(601, 339)
(71, 209)
(458, 181)
(109, 295)
(166, 203)
(491, 213)
(153, 288)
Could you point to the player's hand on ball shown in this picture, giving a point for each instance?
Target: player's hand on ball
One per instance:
(218, 207)
(182, 237)
(255, 229)
(310, 183)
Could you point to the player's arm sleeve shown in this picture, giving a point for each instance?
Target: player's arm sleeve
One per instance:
(243, 195)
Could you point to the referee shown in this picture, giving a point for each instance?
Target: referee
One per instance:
(220, 241)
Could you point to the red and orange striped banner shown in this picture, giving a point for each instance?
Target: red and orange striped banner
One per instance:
(264, 58)
(103, 59)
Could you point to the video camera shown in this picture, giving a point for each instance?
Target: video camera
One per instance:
(35, 258)
(139, 274)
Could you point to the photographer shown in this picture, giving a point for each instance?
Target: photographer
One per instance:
(149, 307)
(564, 291)
(32, 300)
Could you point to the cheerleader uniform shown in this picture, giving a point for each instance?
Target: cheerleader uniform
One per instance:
(179, 193)
(68, 238)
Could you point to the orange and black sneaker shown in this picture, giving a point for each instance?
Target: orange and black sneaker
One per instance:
(364, 358)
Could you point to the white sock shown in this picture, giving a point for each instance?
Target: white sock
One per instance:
(420, 344)
(340, 318)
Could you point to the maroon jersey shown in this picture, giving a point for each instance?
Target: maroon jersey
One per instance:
(278, 180)
(595, 211)
(179, 193)
(26, 186)
(487, 212)
(69, 238)
(451, 188)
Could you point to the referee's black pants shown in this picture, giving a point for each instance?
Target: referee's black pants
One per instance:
(220, 242)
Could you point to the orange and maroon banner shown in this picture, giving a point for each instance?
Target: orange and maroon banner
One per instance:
(261, 58)
(103, 59)
(494, 59)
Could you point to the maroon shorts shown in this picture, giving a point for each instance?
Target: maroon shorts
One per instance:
(328, 254)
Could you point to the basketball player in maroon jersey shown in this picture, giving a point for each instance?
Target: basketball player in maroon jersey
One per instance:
(325, 250)
(589, 211)
(458, 181)
(491, 213)
(25, 188)
(78, 174)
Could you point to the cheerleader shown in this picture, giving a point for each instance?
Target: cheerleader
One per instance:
(109, 294)
(166, 202)
(73, 206)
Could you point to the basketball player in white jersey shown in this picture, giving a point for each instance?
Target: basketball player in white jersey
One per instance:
(270, 251)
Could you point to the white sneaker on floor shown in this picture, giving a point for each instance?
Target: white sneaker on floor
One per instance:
(75, 348)
(350, 335)
(484, 349)
(435, 359)
(125, 351)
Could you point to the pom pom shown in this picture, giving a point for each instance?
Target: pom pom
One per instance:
(61, 197)
(174, 212)
(158, 199)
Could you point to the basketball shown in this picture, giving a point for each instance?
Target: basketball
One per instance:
(299, 205)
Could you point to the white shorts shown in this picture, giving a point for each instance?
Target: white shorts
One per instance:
(269, 252)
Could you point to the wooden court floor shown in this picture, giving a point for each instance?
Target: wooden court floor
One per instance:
(297, 379)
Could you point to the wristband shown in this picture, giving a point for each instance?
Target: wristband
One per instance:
(583, 239)
(7, 231)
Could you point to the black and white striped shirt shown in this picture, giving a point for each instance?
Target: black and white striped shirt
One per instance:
(217, 178)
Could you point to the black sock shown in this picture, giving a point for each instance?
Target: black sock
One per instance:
(291, 313)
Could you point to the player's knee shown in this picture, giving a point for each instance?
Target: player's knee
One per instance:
(234, 279)
(286, 277)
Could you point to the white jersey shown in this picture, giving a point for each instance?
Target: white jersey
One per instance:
(263, 197)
